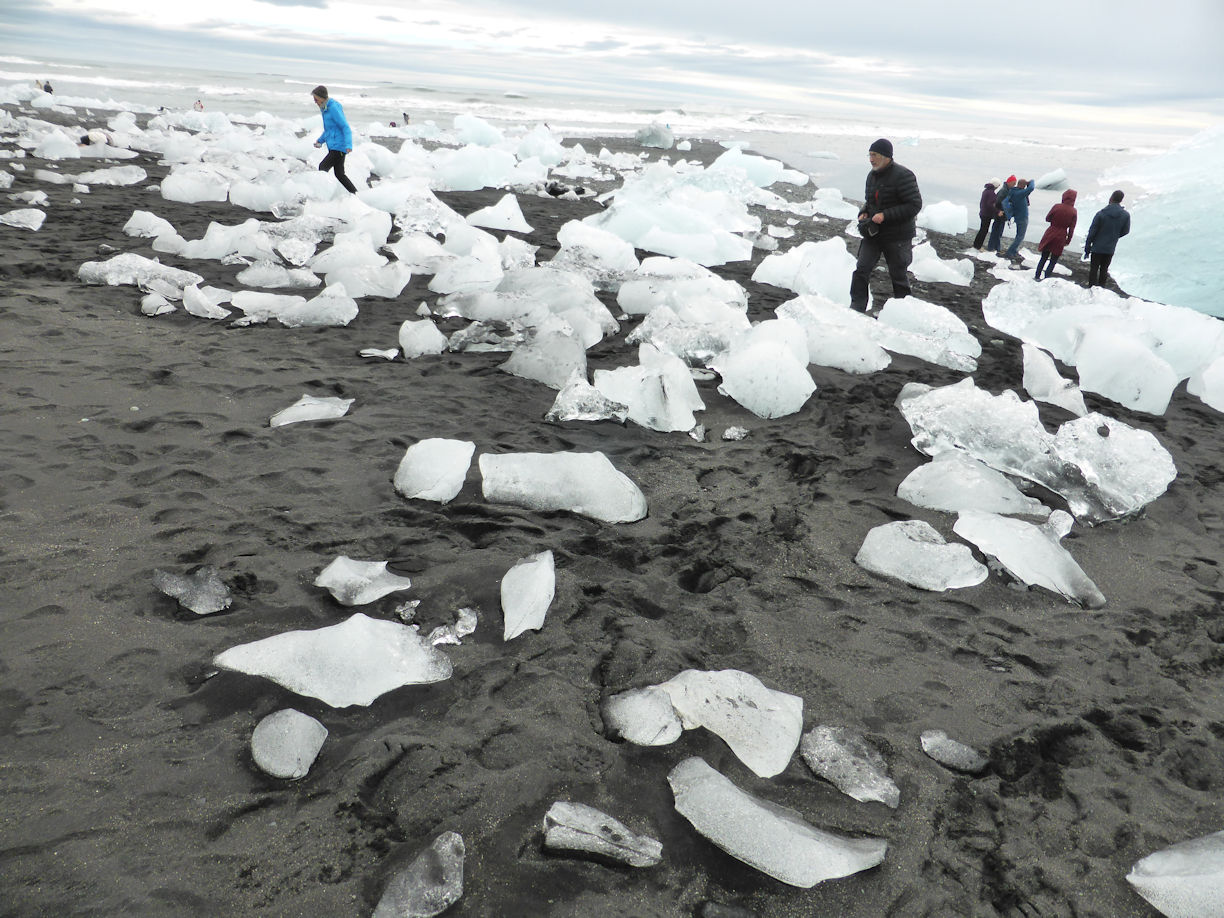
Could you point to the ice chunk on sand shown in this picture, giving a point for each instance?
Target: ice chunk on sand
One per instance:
(311, 408)
(1045, 384)
(659, 393)
(351, 663)
(355, 583)
(1116, 365)
(953, 482)
(1184, 880)
(206, 303)
(655, 135)
(1032, 554)
(549, 357)
(577, 827)
(952, 754)
(760, 725)
(138, 271)
(434, 469)
(583, 483)
(30, 218)
(504, 215)
(766, 378)
(928, 266)
(578, 400)
(944, 217)
(846, 760)
(285, 744)
(526, 593)
(148, 225)
(203, 592)
(428, 886)
(420, 337)
(913, 552)
(771, 838)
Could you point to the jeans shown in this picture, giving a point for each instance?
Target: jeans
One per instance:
(996, 234)
(1045, 254)
(982, 231)
(1021, 229)
(1098, 269)
(335, 160)
(898, 253)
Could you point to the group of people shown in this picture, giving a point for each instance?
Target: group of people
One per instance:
(892, 201)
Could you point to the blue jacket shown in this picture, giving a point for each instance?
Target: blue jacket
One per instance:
(336, 133)
(1016, 203)
(1111, 223)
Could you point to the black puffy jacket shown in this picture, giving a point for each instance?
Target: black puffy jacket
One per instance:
(893, 191)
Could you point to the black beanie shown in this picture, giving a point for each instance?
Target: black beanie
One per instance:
(881, 146)
(320, 91)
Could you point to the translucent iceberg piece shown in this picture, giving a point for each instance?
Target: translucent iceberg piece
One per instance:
(355, 583)
(1185, 880)
(766, 378)
(578, 400)
(914, 552)
(428, 886)
(434, 469)
(549, 357)
(953, 754)
(138, 271)
(285, 744)
(311, 408)
(418, 338)
(203, 592)
(351, 663)
(577, 827)
(953, 482)
(771, 838)
(526, 593)
(583, 483)
(1045, 384)
(846, 760)
(645, 717)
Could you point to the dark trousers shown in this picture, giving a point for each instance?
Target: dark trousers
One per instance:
(1045, 254)
(996, 234)
(982, 231)
(334, 160)
(1098, 269)
(898, 253)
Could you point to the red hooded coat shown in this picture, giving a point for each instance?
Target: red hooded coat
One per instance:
(1062, 226)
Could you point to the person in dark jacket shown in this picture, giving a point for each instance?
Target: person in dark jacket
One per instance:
(1000, 218)
(1110, 224)
(1058, 234)
(1017, 208)
(986, 211)
(891, 202)
(336, 134)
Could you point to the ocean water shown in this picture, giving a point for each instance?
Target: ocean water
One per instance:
(952, 157)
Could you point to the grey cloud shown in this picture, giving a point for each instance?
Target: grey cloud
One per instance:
(317, 4)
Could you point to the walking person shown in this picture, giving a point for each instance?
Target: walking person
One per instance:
(986, 211)
(1017, 207)
(1110, 224)
(1000, 219)
(1058, 234)
(891, 202)
(336, 135)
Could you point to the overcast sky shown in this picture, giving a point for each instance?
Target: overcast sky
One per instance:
(1126, 60)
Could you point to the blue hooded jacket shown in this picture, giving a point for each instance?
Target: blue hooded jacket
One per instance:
(1017, 203)
(336, 133)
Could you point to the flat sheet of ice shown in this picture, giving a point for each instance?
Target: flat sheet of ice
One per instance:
(312, 408)
(914, 552)
(434, 469)
(356, 583)
(953, 481)
(30, 218)
(285, 743)
(583, 483)
(527, 591)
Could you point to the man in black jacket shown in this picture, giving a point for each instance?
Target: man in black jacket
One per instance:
(886, 222)
(1110, 224)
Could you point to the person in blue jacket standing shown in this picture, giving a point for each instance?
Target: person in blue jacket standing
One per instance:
(336, 135)
(1110, 224)
(1017, 208)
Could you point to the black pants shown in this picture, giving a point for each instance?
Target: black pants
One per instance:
(1098, 269)
(898, 253)
(335, 160)
(980, 238)
(1045, 254)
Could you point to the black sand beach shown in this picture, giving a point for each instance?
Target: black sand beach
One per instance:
(130, 443)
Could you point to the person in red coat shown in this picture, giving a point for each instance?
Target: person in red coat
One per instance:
(1058, 235)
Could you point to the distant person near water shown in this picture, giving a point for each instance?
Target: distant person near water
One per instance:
(1110, 224)
(891, 202)
(986, 211)
(1000, 218)
(198, 106)
(1058, 235)
(336, 134)
(46, 87)
(1017, 207)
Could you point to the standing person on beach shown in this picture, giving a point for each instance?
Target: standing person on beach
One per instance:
(1110, 224)
(1017, 207)
(1000, 217)
(891, 202)
(1058, 235)
(336, 134)
(986, 211)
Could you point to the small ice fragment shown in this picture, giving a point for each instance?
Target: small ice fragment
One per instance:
(202, 592)
(526, 592)
(845, 759)
(389, 354)
(913, 552)
(428, 886)
(1184, 880)
(434, 469)
(577, 827)
(735, 433)
(309, 408)
(952, 754)
(285, 744)
(355, 583)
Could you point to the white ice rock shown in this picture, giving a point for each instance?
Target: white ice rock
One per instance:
(356, 583)
(578, 400)
(1185, 880)
(1044, 383)
(418, 338)
(912, 326)
(428, 886)
(30, 218)
(205, 303)
(312, 408)
(286, 743)
(434, 469)
(1032, 554)
(578, 827)
(846, 760)
(914, 552)
(202, 592)
(944, 217)
(138, 271)
(760, 725)
(811, 268)
(1124, 370)
(527, 591)
(655, 135)
(837, 336)
(953, 481)
(583, 483)
(952, 753)
(504, 215)
(659, 393)
(928, 266)
(766, 378)
(550, 356)
(351, 663)
(773, 839)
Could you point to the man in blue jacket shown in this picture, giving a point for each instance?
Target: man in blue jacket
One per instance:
(1110, 224)
(336, 134)
(1017, 208)
(891, 202)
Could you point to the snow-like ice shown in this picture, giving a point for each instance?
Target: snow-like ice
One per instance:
(583, 483)
(550, 357)
(944, 217)
(1044, 383)
(1184, 880)
(30, 218)
(952, 753)
(766, 377)
(526, 593)
(504, 215)
(420, 337)
(434, 469)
